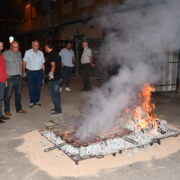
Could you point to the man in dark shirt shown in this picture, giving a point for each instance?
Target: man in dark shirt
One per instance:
(53, 76)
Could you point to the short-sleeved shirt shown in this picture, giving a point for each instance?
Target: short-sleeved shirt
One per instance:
(86, 55)
(53, 57)
(34, 60)
(13, 62)
(67, 57)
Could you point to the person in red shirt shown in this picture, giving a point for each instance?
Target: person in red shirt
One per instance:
(3, 82)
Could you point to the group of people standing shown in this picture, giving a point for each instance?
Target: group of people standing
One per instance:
(56, 70)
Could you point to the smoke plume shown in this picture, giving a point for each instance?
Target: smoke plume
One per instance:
(136, 41)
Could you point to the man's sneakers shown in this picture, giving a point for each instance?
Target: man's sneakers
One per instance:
(35, 105)
(56, 114)
(68, 89)
(31, 105)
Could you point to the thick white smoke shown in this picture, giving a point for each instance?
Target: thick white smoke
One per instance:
(136, 40)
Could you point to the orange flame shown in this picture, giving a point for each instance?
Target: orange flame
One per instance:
(143, 113)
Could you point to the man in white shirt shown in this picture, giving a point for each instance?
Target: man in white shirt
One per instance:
(86, 64)
(34, 66)
(68, 61)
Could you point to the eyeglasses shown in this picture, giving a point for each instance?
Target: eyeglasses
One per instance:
(15, 47)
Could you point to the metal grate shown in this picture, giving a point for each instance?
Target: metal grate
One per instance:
(98, 148)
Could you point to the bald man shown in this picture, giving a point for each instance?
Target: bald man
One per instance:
(13, 61)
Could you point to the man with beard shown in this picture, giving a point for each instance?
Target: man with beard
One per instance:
(53, 76)
(68, 61)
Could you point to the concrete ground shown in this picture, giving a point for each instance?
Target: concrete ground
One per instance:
(16, 166)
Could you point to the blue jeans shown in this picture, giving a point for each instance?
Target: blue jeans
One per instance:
(54, 87)
(35, 82)
(14, 83)
(2, 89)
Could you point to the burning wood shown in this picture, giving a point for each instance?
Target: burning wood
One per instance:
(143, 114)
(141, 117)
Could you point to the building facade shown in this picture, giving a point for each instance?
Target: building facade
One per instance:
(70, 20)
(62, 19)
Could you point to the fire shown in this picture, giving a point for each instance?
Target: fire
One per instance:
(143, 113)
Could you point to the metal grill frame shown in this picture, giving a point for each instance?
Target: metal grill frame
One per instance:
(77, 158)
